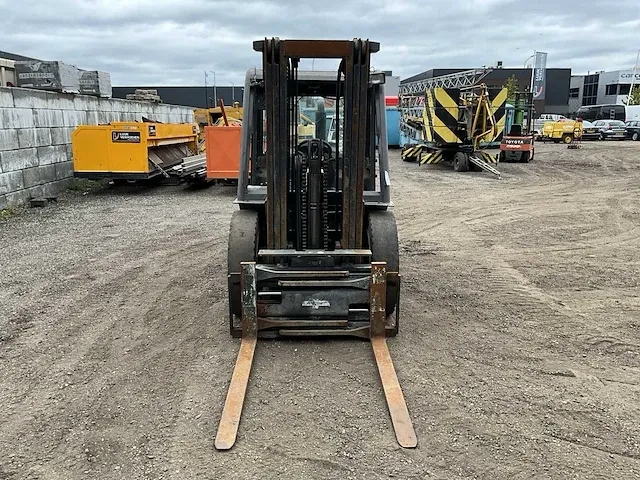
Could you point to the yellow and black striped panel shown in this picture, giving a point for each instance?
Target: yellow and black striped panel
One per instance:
(411, 153)
(498, 99)
(426, 124)
(441, 115)
(432, 157)
(486, 156)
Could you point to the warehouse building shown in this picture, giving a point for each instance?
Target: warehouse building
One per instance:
(601, 88)
(558, 81)
(7, 68)
(204, 97)
(190, 96)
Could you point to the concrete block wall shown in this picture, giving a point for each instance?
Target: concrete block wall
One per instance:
(35, 136)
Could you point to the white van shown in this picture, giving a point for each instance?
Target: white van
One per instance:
(632, 113)
(538, 124)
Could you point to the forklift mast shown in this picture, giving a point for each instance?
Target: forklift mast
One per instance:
(281, 60)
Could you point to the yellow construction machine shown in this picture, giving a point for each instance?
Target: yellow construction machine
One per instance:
(566, 131)
(216, 116)
(452, 119)
(131, 150)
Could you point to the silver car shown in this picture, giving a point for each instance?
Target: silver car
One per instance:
(611, 129)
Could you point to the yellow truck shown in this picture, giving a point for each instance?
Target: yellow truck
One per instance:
(565, 131)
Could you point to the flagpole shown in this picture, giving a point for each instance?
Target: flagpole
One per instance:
(633, 78)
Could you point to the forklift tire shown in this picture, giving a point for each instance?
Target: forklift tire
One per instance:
(526, 156)
(461, 162)
(382, 236)
(243, 247)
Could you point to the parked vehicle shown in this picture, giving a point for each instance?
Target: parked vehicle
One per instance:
(590, 131)
(632, 113)
(562, 130)
(610, 129)
(602, 112)
(623, 113)
(538, 123)
(632, 130)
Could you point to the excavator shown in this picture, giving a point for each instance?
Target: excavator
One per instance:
(313, 246)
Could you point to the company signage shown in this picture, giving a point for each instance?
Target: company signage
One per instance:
(626, 77)
(539, 75)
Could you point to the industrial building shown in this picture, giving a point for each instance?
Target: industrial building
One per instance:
(601, 88)
(558, 82)
(7, 68)
(190, 96)
(204, 97)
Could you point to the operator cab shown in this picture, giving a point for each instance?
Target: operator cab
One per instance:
(320, 117)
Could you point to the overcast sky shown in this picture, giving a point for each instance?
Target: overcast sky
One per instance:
(172, 42)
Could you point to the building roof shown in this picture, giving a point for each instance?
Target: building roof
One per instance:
(14, 57)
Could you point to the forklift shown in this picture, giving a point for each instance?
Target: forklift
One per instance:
(518, 144)
(313, 247)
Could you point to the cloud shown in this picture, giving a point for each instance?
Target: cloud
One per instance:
(168, 42)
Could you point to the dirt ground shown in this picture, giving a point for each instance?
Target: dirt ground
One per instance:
(519, 349)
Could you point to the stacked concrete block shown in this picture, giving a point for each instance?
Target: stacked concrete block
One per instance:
(145, 96)
(53, 76)
(93, 82)
(35, 136)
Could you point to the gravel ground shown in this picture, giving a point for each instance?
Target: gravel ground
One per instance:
(519, 350)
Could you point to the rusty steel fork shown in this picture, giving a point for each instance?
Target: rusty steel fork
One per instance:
(230, 420)
(405, 434)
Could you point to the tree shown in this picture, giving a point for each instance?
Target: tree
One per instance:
(512, 87)
(635, 97)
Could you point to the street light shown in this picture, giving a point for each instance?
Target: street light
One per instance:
(233, 93)
(206, 75)
(527, 60)
(532, 69)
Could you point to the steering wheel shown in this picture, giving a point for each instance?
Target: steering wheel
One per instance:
(303, 146)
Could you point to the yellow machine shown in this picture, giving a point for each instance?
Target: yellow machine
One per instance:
(131, 150)
(306, 127)
(215, 116)
(456, 125)
(566, 131)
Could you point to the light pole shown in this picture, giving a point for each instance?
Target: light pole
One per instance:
(215, 96)
(206, 94)
(532, 70)
(233, 93)
(206, 97)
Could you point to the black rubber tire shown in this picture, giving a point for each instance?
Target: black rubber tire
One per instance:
(461, 162)
(244, 237)
(525, 157)
(567, 138)
(382, 236)
(635, 136)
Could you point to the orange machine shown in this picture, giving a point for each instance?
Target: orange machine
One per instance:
(222, 144)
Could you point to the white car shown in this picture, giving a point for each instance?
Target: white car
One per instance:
(538, 123)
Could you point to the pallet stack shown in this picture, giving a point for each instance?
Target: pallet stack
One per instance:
(145, 96)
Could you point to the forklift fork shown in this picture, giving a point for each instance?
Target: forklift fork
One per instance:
(230, 420)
